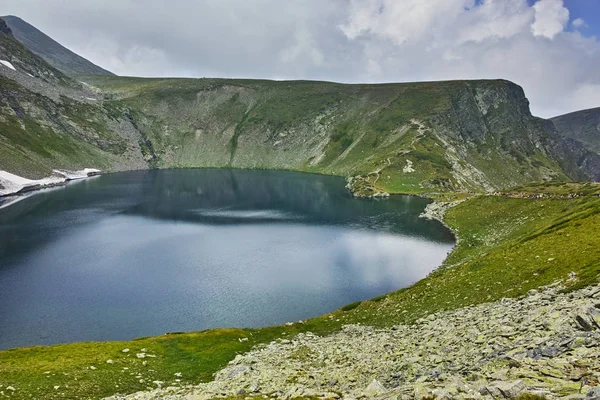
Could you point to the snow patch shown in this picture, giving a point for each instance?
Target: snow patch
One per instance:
(73, 175)
(12, 184)
(8, 64)
(408, 167)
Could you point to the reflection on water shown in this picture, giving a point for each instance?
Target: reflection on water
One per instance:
(144, 253)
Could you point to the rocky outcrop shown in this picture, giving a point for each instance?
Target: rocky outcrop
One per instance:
(546, 344)
(437, 209)
(361, 187)
(4, 28)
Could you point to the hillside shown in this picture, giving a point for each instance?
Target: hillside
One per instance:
(50, 50)
(401, 137)
(583, 126)
(49, 120)
(414, 137)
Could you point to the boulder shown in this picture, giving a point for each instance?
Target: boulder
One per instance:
(587, 318)
(375, 388)
(503, 389)
(237, 372)
(593, 393)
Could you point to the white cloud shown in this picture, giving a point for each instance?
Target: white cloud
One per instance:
(494, 19)
(401, 21)
(578, 23)
(551, 17)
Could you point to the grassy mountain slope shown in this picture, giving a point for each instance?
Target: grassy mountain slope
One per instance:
(413, 137)
(583, 126)
(51, 51)
(531, 242)
(48, 120)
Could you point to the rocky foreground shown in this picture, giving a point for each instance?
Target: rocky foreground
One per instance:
(547, 343)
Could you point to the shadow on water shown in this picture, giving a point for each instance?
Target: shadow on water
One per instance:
(145, 252)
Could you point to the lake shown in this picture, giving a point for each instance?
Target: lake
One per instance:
(144, 253)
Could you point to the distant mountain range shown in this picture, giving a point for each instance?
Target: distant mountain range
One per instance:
(50, 50)
(58, 110)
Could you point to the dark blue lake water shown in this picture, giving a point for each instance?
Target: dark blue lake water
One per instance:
(144, 253)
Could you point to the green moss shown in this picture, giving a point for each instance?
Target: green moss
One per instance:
(351, 306)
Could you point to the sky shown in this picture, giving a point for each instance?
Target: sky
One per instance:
(550, 47)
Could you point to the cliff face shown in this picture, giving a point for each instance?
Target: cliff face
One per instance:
(581, 130)
(410, 137)
(4, 28)
(583, 126)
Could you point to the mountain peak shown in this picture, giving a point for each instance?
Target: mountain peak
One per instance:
(50, 50)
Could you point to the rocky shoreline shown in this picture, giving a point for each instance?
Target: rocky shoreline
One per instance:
(545, 344)
(437, 210)
(362, 188)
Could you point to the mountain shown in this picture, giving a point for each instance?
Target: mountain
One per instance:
(581, 131)
(409, 137)
(48, 120)
(400, 137)
(583, 126)
(53, 52)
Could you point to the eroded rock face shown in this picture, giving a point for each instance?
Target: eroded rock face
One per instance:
(3, 27)
(497, 350)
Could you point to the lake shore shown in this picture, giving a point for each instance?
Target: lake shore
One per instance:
(14, 185)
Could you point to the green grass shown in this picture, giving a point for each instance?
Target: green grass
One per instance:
(507, 246)
(333, 128)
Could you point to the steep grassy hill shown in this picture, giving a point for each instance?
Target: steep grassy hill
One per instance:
(583, 126)
(411, 137)
(48, 120)
(415, 137)
(50, 50)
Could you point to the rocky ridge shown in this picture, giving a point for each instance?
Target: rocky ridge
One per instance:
(437, 209)
(547, 344)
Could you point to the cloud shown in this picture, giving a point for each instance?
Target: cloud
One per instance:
(578, 23)
(489, 39)
(551, 17)
(336, 40)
